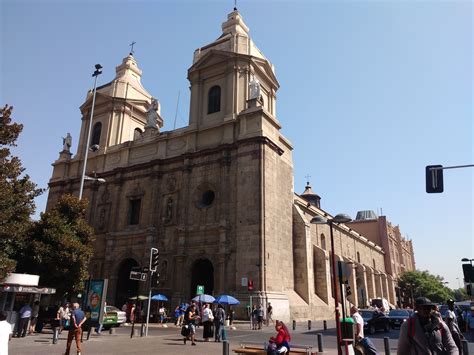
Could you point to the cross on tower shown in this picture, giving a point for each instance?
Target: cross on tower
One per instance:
(131, 45)
(235, 5)
(307, 178)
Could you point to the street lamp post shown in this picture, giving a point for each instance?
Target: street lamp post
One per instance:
(340, 218)
(96, 73)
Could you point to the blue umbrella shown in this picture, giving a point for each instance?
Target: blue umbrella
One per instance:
(226, 299)
(204, 298)
(159, 297)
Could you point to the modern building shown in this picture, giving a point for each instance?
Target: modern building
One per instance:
(215, 197)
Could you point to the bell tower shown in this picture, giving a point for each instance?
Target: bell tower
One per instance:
(222, 72)
(120, 112)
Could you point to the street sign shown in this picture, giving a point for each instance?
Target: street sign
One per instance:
(200, 290)
(136, 275)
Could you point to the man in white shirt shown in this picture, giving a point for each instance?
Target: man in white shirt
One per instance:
(359, 321)
(5, 333)
(25, 315)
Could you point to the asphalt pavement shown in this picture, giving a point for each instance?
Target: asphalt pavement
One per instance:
(168, 341)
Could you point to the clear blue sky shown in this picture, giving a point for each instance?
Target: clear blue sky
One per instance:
(371, 92)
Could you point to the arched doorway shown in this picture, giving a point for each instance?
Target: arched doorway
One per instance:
(202, 273)
(125, 287)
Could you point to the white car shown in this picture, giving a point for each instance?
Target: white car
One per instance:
(113, 317)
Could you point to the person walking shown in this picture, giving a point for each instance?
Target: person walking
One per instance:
(254, 316)
(190, 318)
(260, 316)
(470, 325)
(207, 321)
(25, 315)
(269, 314)
(5, 333)
(219, 318)
(75, 330)
(425, 333)
(162, 314)
(34, 316)
(455, 331)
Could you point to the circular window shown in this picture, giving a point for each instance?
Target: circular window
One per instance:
(207, 198)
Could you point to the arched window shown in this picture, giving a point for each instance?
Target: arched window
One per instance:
(214, 100)
(96, 133)
(358, 257)
(323, 242)
(137, 133)
(373, 262)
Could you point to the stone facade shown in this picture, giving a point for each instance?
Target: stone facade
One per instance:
(215, 197)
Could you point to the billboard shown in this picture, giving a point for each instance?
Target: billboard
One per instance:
(96, 292)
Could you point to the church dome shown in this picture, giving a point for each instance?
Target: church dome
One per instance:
(311, 197)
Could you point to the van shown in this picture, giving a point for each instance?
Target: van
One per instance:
(379, 303)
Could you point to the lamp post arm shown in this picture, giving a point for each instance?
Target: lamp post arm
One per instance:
(81, 188)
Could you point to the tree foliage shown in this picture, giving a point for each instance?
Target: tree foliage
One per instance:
(17, 194)
(425, 284)
(60, 246)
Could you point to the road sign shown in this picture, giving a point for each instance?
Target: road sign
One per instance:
(200, 290)
(136, 275)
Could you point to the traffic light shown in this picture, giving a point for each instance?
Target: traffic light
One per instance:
(155, 280)
(154, 259)
(434, 179)
(348, 290)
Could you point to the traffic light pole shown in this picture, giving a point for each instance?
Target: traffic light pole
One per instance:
(150, 274)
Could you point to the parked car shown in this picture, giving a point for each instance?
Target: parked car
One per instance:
(397, 317)
(374, 320)
(113, 317)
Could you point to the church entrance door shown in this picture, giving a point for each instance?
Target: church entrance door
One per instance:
(126, 288)
(202, 273)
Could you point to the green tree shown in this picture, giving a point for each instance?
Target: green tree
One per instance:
(461, 295)
(424, 284)
(60, 246)
(17, 194)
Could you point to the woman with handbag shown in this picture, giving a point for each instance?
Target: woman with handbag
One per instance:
(190, 318)
(207, 320)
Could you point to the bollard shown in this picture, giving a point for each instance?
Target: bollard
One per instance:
(55, 335)
(325, 325)
(294, 325)
(112, 330)
(309, 324)
(465, 348)
(225, 347)
(386, 345)
(320, 343)
(142, 330)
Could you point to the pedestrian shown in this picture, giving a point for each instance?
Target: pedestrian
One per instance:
(34, 316)
(25, 315)
(470, 325)
(5, 333)
(190, 318)
(162, 314)
(368, 347)
(451, 313)
(63, 316)
(98, 329)
(260, 316)
(454, 328)
(269, 314)
(231, 315)
(281, 343)
(219, 318)
(132, 313)
(425, 333)
(207, 322)
(254, 316)
(75, 330)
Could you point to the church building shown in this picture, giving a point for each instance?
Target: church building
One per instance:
(215, 197)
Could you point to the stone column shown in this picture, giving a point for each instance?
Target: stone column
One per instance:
(370, 284)
(354, 297)
(362, 287)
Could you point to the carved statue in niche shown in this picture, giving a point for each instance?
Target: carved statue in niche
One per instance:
(102, 218)
(164, 270)
(254, 88)
(171, 183)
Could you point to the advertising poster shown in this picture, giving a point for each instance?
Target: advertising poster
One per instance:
(95, 302)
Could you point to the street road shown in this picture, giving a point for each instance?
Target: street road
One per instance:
(168, 341)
